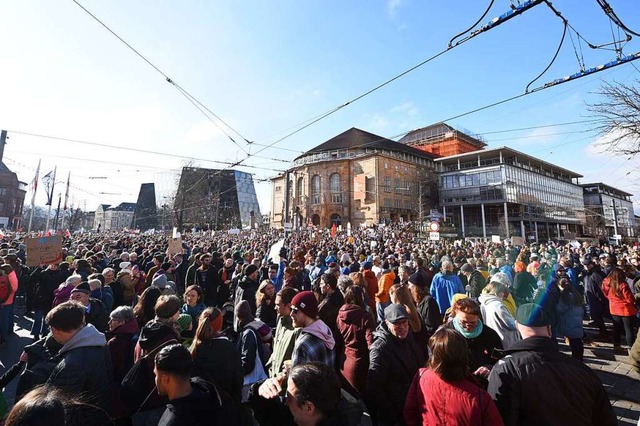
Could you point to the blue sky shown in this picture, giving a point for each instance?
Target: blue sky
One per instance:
(265, 66)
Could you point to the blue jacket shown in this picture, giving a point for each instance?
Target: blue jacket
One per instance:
(507, 270)
(443, 287)
(569, 320)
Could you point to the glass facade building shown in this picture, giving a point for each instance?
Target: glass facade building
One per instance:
(247, 199)
(505, 192)
(609, 211)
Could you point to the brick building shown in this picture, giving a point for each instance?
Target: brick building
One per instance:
(442, 140)
(355, 177)
(12, 192)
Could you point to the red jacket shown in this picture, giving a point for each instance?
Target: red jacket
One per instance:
(621, 304)
(432, 401)
(372, 287)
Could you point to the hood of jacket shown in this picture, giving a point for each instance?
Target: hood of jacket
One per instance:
(262, 330)
(486, 299)
(129, 327)
(155, 332)
(247, 282)
(351, 314)
(87, 336)
(319, 329)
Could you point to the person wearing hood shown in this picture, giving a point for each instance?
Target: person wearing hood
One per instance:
(123, 333)
(192, 401)
(393, 364)
(444, 285)
(96, 314)
(247, 288)
(315, 342)
(157, 333)
(356, 327)
(84, 365)
(496, 315)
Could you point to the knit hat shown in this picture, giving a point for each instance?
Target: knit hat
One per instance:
(531, 315)
(184, 321)
(306, 302)
(250, 269)
(367, 265)
(160, 281)
(418, 280)
(82, 288)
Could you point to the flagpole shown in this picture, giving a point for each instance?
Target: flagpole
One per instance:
(50, 196)
(66, 199)
(33, 196)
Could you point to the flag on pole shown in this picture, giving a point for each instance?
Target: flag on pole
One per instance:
(66, 194)
(334, 230)
(34, 185)
(49, 183)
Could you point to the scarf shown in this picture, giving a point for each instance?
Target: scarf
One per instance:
(467, 334)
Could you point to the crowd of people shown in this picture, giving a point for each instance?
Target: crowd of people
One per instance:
(370, 326)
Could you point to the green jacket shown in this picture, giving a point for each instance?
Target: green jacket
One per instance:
(283, 342)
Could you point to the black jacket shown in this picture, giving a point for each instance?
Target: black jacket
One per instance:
(566, 391)
(205, 405)
(46, 281)
(429, 312)
(246, 290)
(598, 303)
(97, 315)
(218, 361)
(477, 282)
(392, 365)
(482, 347)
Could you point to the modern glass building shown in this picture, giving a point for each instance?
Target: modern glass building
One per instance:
(505, 192)
(609, 211)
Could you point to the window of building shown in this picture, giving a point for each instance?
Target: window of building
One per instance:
(300, 189)
(335, 187)
(3, 191)
(387, 184)
(397, 186)
(278, 188)
(315, 189)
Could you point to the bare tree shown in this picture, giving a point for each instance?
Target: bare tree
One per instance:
(619, 115)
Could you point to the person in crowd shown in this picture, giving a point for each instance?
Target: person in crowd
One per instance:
(193, 303)
(215, 357)
(372, 285)
(597, 302)
(418, 334)
(482, 341)
(46, 282)
(248, 287)
(444, 285)
(622, 306)
(108, 298)
(385, 281)
(534, 366)
(126, 285)
(84, 365)
(315, 341)
(62, 293)
(95, 312)
(265, 301)
(285, 334)
(496, 315)
(427, 306)
(569, 314)
(444, 392)
(144, 310)
(331, 301)
(393, 363)
(476, 281)
(161, 331)
(356, 327)
(313, 397)
(192, 401)
(524, 284)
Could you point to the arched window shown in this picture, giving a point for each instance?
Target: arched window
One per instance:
(300, 190)
(335, 187)
(315, 189)
(335, 219)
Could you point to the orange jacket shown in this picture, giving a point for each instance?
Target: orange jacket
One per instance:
(372, 287)
(384, 284)
(621, 304)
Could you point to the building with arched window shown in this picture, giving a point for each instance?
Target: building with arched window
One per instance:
(355, 177)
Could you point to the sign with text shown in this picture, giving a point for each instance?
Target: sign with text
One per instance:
(495, 238)
(44, 250)
(517, 241)
(434, 236)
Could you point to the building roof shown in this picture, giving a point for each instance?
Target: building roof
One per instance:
(609, 188)
(124, 207)
(491, 152)
(356, 138)
(437, 132)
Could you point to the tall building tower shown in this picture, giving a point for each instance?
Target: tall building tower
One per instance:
(146, 215)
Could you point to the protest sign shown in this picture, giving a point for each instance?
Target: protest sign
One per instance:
(44, 250)
(175, 245)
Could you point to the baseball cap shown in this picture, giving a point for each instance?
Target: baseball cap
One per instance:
(395, 312)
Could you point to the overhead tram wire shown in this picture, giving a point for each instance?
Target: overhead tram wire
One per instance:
(486, 27)
(169, 80)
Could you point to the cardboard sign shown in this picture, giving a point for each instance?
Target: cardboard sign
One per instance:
(517, 241)
(175, 245)
(44, 250)
(495, 238)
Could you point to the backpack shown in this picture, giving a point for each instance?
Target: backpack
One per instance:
(134, 388)
(5, 288)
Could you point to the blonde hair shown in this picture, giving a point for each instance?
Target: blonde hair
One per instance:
(494, 288)
(403, 296)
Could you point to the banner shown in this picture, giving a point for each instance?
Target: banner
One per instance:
(274, 252)
(44, 250)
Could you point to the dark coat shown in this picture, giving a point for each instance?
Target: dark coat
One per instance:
(246, 290)
(121, 346)
(429, 312)
(598, 303)
(267, 313)
(524, 284)
(482, 347)
(356, 327)
(203, 406)
(393, 363)
(477, 282)
(46, 282)
(218, 361)
(97, 316)
(567, 391)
